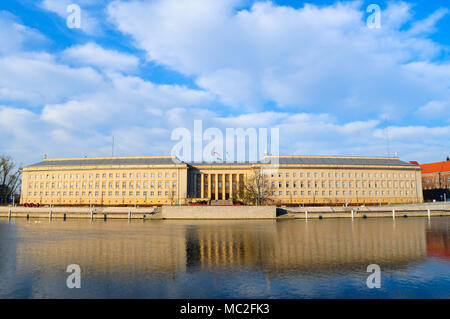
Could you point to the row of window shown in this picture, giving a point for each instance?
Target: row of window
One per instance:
(344, 193)
(344, 175)
(430, 179)
(117, 194)
(90, 185)
(103, 175)
(357, 184)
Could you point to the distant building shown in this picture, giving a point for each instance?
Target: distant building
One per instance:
(163, 180)
(436, 180)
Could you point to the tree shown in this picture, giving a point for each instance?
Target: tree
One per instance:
(9, 178)
(448, 158)
(256, 190)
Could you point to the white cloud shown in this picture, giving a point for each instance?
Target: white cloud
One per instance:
(37, 79)
(15, 36)
(428, 25)
(435, 110)
(94, 55)
(317, 73)
(313, 58)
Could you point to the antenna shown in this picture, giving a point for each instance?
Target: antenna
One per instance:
(387, 137)
(112, 147)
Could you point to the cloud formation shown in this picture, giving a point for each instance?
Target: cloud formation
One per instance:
(309, 59)
(317, 73)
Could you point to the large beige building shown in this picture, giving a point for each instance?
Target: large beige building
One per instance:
(163, 180)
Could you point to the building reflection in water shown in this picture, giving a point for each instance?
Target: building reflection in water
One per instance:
(438, 239)
(163, 249)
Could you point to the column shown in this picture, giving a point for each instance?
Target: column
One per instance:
(231, 185)
(209, 186)
(195, 186)
(216, 182)
(224, 186)
(202, 185)
(237, 183)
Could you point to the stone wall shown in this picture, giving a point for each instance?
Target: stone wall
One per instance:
(218, 212)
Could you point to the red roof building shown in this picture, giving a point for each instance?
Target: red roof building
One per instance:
(436, 175)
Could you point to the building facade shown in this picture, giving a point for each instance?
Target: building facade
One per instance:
(436, 175)
(164, 180)
(436, 181)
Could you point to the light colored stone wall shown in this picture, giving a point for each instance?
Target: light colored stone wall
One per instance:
(218, 212)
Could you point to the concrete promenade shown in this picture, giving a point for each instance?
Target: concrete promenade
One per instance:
(390, 211)
(60, 212)
(227, 212)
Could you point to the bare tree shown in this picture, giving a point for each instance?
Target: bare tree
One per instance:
(9, 178)
(256, 189)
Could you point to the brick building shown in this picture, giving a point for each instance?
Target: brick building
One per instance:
(436, 180)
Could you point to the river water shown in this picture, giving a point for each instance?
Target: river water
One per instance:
(226, 259)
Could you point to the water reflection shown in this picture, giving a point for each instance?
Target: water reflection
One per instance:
(165, 251)
(176, 246)
(438, 239)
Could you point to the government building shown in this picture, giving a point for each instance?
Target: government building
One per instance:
(164, 180)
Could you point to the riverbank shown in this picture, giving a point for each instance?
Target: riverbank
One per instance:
(227, 212)
(390, 211)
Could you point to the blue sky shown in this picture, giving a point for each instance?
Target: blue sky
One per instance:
(136, 70)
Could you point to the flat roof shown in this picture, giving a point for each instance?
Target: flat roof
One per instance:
(340, 160)
(102, 161)
(171, 160)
